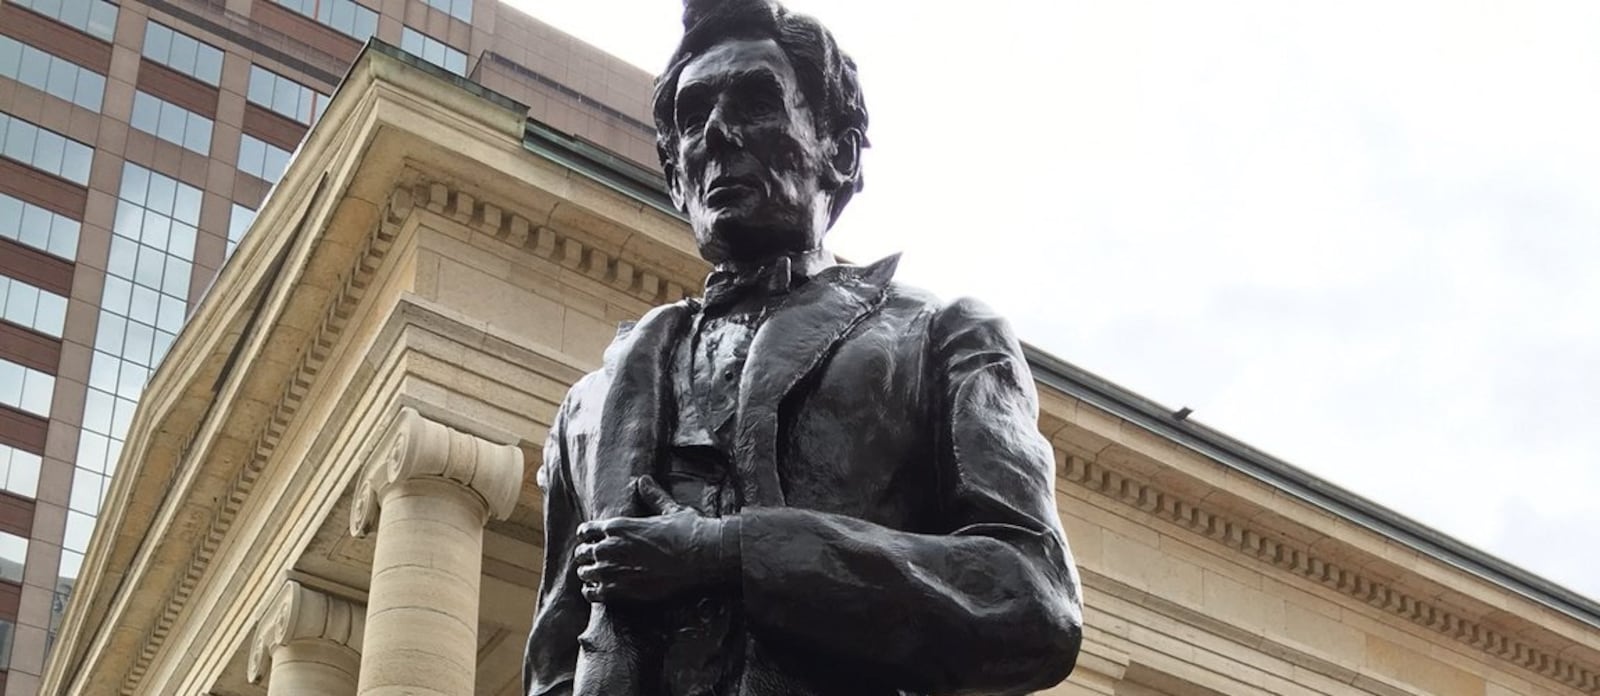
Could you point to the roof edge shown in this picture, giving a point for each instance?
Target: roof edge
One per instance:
(1307, 487)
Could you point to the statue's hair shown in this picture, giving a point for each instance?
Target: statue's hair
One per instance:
(827, 76)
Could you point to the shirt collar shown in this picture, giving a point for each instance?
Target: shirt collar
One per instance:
(730, 283)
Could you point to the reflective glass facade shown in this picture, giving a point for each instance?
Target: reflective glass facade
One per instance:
(171, 123)
(19, 471)
(58, 77)
(34, 226)
(26, 389)
(262, 159)
(93, 17)
(142, 308)
(433, 50)
(239, 219)
(33, 307)
(285, 96)
(183, 53)
(348, 17)
(45, 150)
(460, 9)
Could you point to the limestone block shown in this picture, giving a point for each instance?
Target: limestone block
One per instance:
(1328, 638)
(1410, 667)
(1150, 569)
(585, 335)
(1240, 605)
(1085, 539)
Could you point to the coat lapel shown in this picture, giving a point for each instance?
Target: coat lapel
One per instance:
(633, 424)
(797, 338)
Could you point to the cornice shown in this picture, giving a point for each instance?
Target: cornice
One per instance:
(1255, 542)
(544, 240)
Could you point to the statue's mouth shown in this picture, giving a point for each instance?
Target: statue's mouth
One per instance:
(727, 189)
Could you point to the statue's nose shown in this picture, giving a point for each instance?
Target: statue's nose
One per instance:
(722, 133)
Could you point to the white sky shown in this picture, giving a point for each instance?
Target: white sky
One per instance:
(1362, 236)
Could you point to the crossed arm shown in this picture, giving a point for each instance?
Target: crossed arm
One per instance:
(990, 605)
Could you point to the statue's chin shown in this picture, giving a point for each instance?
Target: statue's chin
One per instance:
(746, 236)
(751, 244)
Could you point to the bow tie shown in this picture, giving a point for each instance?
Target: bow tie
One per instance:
(725, 288)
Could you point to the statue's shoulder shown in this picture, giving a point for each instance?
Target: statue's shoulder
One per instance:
(958, 321)
(657, 327)
(966, 326)
(662, 319)
(901, 295)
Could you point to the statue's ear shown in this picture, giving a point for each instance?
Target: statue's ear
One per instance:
(847, 155)
(674, 184)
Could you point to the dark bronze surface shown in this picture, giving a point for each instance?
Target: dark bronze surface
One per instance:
(814, 480)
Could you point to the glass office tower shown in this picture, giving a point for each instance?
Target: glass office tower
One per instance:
(138, 139)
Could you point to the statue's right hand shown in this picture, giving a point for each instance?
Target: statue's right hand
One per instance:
(645, 559)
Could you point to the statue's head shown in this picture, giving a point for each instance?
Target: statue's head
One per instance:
(760, 125)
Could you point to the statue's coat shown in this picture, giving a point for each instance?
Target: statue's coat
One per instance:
(898, 533)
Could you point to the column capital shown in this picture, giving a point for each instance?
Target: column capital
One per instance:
(419, 448)
(297, 613)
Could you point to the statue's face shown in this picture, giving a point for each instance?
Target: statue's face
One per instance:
(750, 165)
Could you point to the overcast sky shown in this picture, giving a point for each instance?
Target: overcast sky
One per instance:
(1363, 236)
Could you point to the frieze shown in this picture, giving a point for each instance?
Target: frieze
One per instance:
(1300, 561)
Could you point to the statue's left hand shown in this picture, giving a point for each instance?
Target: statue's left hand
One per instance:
(644, 559)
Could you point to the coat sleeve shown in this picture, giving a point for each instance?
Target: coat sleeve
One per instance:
(988, 604)
(562, 613)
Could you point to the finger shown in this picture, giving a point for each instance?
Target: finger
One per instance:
(608, 548)
(593, 593)
(597, 573)
(619, 527)
(585, 554)
(654, 497)
(597, 530)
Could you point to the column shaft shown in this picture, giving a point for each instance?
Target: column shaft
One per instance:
(436, 488)
(313, 668)
(422, 608)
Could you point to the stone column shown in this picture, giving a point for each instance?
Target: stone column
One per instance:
(436, 488)
(311, 641)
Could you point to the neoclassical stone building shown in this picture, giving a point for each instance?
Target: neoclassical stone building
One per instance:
(328, 486)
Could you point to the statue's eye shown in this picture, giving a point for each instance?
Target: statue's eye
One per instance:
(764, 98)
(692, 112)
(691, 121)
(691, 124)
